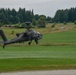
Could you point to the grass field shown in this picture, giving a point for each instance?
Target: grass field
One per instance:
(57, 50)
(37, 58)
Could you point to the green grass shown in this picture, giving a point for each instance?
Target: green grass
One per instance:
(37, 58)
(38, 52)
(36, 64)
(61, 37)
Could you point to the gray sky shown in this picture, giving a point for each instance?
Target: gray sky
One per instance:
(46, 7)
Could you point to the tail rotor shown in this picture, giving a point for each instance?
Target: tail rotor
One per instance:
(3, 37)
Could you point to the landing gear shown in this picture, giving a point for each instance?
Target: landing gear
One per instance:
(3, 46)
(36, 40)
(29, 43)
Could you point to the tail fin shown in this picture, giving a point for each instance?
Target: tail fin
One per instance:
(3, 35)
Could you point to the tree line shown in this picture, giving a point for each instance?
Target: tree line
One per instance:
(8, 16)
(11, 16)
(67, 15)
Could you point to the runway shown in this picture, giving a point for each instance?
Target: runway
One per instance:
(49, 72)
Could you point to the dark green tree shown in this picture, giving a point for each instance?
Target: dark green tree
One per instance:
(41, 22)
(34, 22)
(36, 17)
(67, 15)
(49, 19)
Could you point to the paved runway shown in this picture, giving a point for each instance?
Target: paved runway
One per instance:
(52, 72)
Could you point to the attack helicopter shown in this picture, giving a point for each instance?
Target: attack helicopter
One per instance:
(28, 35)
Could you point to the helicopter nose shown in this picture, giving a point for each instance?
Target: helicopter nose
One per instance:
(40, 36)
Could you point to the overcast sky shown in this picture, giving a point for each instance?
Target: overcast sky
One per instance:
(46, 7)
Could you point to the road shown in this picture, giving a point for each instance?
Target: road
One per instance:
(52, 72)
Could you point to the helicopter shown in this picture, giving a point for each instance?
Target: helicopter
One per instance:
(28, 35)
